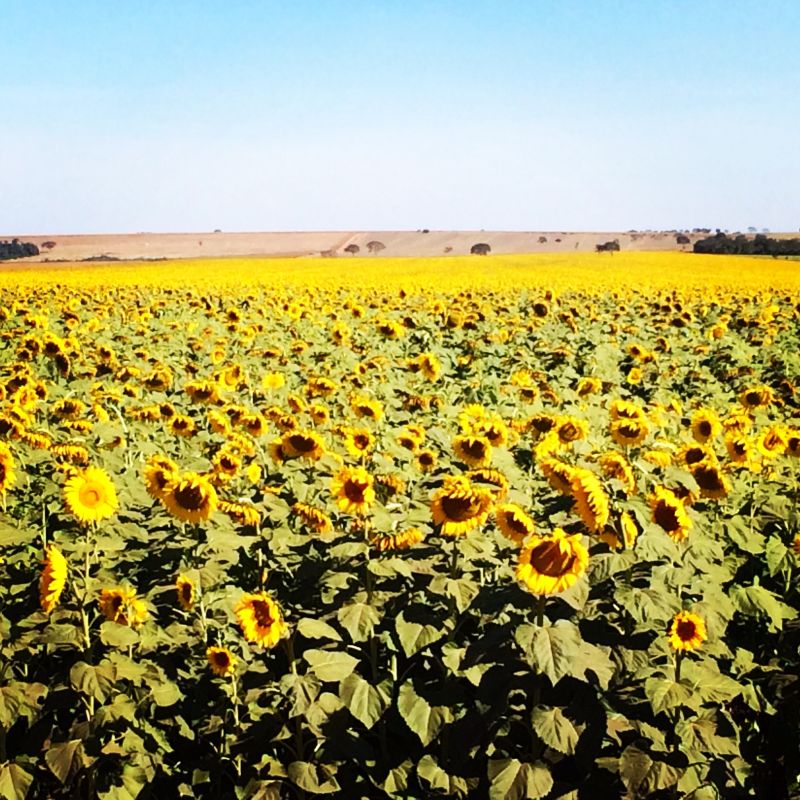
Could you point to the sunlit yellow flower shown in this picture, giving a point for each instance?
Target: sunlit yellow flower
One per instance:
(591, 501)
(687, 632)
(358, 441)
(712, 482)
(157, 473)
(756, 396)
(771, 442)
(551, 564)
(53, 579)
(185, 589)
(273, 380)
(352, 488)
(314, 518)
(558, 474)
(122, 606)
(670, 513)
(705, 425)
(253, 473)
(307, 445)
(493, 480)
(629, 432)
(221, 661)
(397, 541)
(587, 386)
(570, 429)
(260, 619)
(476, 451)
(615, 465)
(7, 473)
(190, 497)
(513, 522)
(367, 409)
(459, 506)
(240, 513)
(90, 495)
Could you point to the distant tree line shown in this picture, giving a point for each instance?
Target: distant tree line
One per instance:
(17, 249)
(759, 245)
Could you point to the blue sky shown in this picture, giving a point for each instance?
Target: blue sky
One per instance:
(532, 115)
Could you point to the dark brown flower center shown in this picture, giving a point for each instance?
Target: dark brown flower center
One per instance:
(190, 497)
(354, 490)
(551, 559)
(460, 509)
(686, 630)
(262, 613)
(666, 517)
(708, 478)
(302, 444)
(704, 428)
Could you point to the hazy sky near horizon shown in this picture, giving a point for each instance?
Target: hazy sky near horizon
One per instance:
(357, 115)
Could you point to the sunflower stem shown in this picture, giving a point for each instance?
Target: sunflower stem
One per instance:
(540, 603)
(678, 662)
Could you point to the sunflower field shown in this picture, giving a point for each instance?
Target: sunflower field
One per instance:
(510, 527)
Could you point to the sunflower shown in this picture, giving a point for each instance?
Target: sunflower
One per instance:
(185, 589)
(226, 463)
(587, 386)
(157, 473)
(687, 632)
(302, 444)
(459, 506)
(513, 522)
(740, 448)
(705, 425)
(628, 432)
(240, 513)
(397, 541)
(476, 451)
(54, 578)
(352, 488)
(190, 497)
(358, 441)
(624, 409)
(260, 619)
(793, 443)
(670, 513)
(713, 484)
(430, 366)
(551, 564)
(254, 424)
(493, 480)
(616, 466)
(314, 518)
(221, 661)
(756, 397)
(591, 500)
(7, 473)
(122, 606)
(367, 409)
(558, 474)
(570, 429)
(771, 442)
(202, 391)
(273, 380)
(90, 495)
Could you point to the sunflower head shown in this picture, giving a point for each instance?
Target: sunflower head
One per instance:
(670, 513)
(476, 451)
(121, 605)
(190, 497)
(551, 564)
(705, 425)
(260, 619)
(158, 472)
(7, 473)
(302, 444)
(221, 661)
(185, 589)
(591, 501)
(513, 522)
(353, 490)
(397, 541)
(711, 480)
(687, 632)
(459, 506)
(54, 578)
(90, 495)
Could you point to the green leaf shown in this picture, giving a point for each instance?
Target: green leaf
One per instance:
(555, 730)
(740, 534)
(414, 636)
(166, 694)
(358, 619)
(364, 701)
(94, 681)
(134, 779)
(701, 734)
(66, 759)
(303, 690)
(558, 650)
(665, 694)
(423, 719)
(513, 780)
(115, 635)
(317, 629)
(19, 699)
(396, 781)
(439, 780)
(313, 778)
(463, 591)
(10, 536)
(779, 557)
(330, 665)
(756, 601)
(642, 775)
(14, 782)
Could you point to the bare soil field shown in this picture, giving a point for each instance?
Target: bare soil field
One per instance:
(136, 246)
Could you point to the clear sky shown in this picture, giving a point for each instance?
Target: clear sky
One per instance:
(190, 115)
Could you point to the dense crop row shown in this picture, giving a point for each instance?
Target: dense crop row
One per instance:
(399, 537)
